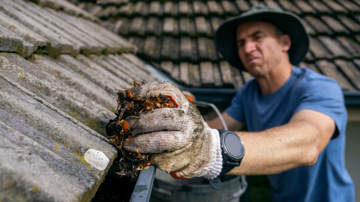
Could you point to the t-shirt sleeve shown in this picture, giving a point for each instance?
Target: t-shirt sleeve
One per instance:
(325, 96)
(235, 110)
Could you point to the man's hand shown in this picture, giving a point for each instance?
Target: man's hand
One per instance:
(178, 138)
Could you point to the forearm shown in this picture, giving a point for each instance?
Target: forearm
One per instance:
(278, 149)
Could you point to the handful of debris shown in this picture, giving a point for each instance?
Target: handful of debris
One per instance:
(118, 129)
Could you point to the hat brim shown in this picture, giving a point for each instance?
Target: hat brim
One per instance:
(287, 22)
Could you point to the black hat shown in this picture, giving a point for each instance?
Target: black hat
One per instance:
(285, 21)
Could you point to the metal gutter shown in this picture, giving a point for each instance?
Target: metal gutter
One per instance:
(143, 186)
(352, 98)
(221, 97)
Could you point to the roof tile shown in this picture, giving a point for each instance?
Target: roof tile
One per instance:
(215, 8)
(153, 26)
(194, 75)
(335, 25)
(288, 5)
(226, 73)
(350, 24)
(184, 72)
(184, 8)
(317, 49)
(350, 71)
(188, 49)
(305, 8)
(242, 5)
(335, 6)
(202, 26)
(330, 70)
(319, 6)
(229, 8)
(192, 24)
(187, 26)
(217, 75)
(333, 45)
(41, 149)
(207, 73)
(152, 46)
(170, 9)
(155, 8)
(317, 25)
(170, 49)
(140, 8)
(137, 26)
(170, 26)
(272, 3)
(351, 6)
(200, 8)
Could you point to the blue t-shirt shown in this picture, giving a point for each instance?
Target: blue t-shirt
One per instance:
(327, 180)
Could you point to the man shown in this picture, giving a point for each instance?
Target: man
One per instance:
(295, 118)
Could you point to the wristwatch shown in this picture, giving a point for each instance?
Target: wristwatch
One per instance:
(232, 150)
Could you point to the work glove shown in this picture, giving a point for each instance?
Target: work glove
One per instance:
(179, 140)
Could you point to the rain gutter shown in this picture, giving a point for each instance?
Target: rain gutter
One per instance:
(221, 97)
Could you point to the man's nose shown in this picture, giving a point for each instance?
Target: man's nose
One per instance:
(249, 46)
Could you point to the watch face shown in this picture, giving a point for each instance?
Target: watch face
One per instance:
(233, 146)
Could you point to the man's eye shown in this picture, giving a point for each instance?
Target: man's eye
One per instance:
(240, 44)
(257, 37)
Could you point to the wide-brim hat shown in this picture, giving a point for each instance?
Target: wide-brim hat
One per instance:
(287, 22)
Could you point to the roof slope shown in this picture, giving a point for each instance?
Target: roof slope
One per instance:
(59, 74)
(177, 36)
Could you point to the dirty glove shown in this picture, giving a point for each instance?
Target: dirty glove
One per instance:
(178, 138)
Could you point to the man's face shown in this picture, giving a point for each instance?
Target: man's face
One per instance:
(260, 48)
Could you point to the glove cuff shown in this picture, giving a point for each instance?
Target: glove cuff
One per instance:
(214, 168)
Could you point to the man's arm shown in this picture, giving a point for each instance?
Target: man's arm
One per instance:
(281, 148)
(231, 123)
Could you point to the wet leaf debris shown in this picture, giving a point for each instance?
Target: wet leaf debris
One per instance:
(118, 129)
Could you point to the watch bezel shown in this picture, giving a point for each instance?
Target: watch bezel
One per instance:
(233, 157)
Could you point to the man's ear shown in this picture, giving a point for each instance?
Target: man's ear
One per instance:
(285, 42)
